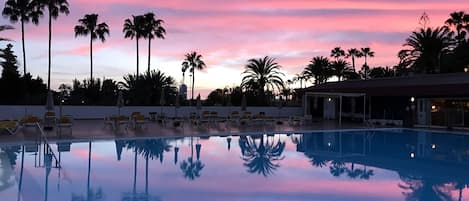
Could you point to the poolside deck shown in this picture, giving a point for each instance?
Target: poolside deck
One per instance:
(96, 130)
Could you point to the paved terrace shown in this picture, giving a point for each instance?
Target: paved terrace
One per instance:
(96, 130)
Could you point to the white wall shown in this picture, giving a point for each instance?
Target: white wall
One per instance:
(98, 112)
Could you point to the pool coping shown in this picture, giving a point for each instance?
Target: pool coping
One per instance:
(224, 134)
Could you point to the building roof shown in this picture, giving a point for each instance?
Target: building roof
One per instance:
(434, 85)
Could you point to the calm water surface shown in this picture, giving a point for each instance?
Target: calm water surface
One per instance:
(324, 166)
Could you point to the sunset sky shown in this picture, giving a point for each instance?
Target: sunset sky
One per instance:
(227, 34)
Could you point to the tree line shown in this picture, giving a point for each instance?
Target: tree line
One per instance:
(442, 49)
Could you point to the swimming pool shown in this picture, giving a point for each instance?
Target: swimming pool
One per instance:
(349, 165)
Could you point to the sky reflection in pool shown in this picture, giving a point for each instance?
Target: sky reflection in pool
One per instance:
(358, 165)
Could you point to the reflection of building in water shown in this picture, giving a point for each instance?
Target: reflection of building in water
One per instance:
(433, 162)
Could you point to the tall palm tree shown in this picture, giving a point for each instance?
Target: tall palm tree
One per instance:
(3, 28)
(337, 52)
(54, 9)
(89, 25)
(340, 68)
(353, 52)
(195, 62)
(23, 11)
(318, 68)
(366, 52)
(133, 28)
(263, 73)
(460, 22)
(152, 29)
(425, 49)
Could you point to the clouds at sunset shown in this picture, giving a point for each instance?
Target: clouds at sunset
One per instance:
(228, 33)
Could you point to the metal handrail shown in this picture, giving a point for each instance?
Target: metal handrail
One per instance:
(48, 145)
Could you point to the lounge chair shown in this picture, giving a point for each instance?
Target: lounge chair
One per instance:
(116, 121)
(245, 118)
(64, 122)
(205, 118)
(299, 120)
(215, 118)
(139, 121)
(30, 121)
(234, 117)
(49, 119)
(10, 126)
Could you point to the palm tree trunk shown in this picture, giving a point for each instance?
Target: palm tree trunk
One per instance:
(146, 174)
(149, 53)
(193, 80)
(89, 171)
(50, 41)
(135, 172)
(91, 58)
(353, 63)
(24, 51)
(137, 56)
(20, 182)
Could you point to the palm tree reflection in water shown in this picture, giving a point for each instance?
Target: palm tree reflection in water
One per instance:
(190, 168)
(150, 149)
(261, 157)
(426, 189)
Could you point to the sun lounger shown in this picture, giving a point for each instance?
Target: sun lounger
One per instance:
(116, 121)
(139, 121)
(10, 126)
(64, 122)
(234, 117)
(30, 121)
(49, 119)
(205, 118)
(245, 118)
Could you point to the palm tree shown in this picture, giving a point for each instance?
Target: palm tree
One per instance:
(340, 68)
(318, 68)
(353, 52)
(89, 25)
(300, 77)
(152, 29)
(263, 73)
(3, 28)
(195, 62)
(134, 29)
(54, 8)
(260, 157)
(366, 52)
(426, 47)
(337, 52)
(23, 11)
(460, 22)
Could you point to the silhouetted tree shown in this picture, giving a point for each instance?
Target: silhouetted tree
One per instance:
(261, 75)
(195, 62)
(354, 53)
(133, 28)
(54, 8)
(318, 68)
(88, 25)
(152, 28)
(23, 11)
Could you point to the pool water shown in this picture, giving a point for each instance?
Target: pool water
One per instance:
(324, 166)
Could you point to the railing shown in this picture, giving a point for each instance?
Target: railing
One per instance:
(46, 141)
